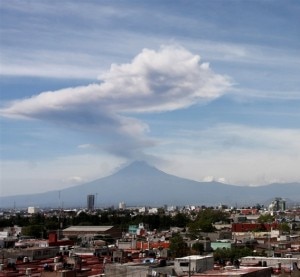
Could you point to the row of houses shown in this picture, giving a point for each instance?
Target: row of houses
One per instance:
(141, 251)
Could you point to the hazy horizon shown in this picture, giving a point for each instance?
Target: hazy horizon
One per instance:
(204, 90)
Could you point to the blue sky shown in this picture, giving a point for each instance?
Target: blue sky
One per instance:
(207, 90)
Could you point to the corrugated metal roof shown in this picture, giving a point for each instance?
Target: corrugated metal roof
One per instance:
(193, 257)
(88, 228)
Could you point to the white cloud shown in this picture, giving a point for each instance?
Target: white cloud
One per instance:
(164, 80)
(155, 81)
(75, 179)
(168, 79)
(244, 94)
(86, 146)
(208, 179)
(222, 180)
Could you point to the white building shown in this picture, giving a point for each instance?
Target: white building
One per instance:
(278, 204)
(194, 264)
(122, 206)
(32, 210)
(143, 210)
(153, 211)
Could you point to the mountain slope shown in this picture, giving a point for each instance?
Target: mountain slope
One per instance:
(141, 184)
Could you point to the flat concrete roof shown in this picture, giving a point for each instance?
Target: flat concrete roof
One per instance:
(230, 271)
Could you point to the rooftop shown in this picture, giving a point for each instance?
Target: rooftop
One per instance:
(232, 271)
(88, 228)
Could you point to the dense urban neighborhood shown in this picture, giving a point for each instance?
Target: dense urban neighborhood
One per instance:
(151, 241)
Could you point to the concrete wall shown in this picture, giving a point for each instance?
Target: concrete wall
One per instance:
(113, 270)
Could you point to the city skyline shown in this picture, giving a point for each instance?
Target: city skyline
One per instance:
(205, 90)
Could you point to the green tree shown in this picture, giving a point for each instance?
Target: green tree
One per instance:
(37, 231)
(52, 223)
(198, 247)
(231, 254)
(83, 219)
(284, 227)
(178, 246)
(37, 219)
(204, 222)
(265, 218)
(195, 229)
(180, 220)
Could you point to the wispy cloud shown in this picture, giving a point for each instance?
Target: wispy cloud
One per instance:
(240, 154)
(239, 138)
(56, 174)
(83, 50)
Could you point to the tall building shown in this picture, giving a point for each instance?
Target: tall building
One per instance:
(91, 202)
(122, 206)
(278, 204)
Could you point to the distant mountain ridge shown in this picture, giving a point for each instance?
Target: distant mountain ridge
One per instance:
(140, 184)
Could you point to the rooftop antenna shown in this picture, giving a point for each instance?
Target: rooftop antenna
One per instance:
(60, 222)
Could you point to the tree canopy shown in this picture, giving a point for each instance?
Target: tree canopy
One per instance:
(204, 222)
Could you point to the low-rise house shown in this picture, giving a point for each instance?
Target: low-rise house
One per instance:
(251, 227)
(137, 270)
(274, 262)
(221, 244)
(31, 253)
(127, 243)
(194, 263)
(206, 243)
